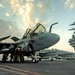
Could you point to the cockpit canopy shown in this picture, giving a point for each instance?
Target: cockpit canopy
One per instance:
(26, 33)
(37, 29)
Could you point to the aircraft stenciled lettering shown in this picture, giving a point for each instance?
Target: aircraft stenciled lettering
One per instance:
(42, 38)
(39, 44)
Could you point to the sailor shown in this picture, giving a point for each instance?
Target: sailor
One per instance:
(21, 56)
(5, 55)
(12, 52)
(16, 55)
(4, 58)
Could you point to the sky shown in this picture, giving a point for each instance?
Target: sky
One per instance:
(18, 15)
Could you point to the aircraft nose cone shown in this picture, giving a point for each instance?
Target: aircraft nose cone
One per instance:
(53, 38)
(57, 37)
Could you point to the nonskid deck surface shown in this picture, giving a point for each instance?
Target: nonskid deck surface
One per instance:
(44, 67)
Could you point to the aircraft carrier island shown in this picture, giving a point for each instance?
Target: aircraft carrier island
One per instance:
(72, 40)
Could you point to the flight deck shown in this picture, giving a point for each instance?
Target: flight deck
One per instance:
(44, 67)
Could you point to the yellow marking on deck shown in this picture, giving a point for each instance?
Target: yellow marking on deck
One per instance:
(18, 71)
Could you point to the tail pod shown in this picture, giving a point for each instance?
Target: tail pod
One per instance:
(52, 26)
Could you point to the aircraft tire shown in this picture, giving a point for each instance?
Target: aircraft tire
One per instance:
(52, 59)
(39, 59)
(34, 61)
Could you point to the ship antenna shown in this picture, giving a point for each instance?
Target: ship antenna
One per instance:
(72, 28)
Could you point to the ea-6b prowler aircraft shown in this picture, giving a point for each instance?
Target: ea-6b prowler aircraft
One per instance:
(42, 40)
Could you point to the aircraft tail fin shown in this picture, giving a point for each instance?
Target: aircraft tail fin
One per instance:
(15, 39)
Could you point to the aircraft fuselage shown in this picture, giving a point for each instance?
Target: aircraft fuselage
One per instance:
(41, 41)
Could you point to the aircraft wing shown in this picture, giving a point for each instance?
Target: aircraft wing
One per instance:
(4, 38)
(6, 45)
(48, 51)
(66, 54)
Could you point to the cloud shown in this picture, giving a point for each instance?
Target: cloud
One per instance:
(70, 4)
(1, 5)
(29, 0)
(23, 10)
(8, 28)
(30, 11)
(7, 14)
(3, 25)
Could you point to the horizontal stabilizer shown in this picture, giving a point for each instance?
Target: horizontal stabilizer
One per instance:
(15, 39)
